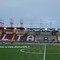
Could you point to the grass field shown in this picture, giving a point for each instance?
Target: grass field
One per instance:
(30, 52)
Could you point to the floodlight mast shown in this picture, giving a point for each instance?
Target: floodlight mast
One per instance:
(11, 22)
(41, 25)
(22, 28)
(50, 23)
(31, 24)
(1, 22)
(21, 22)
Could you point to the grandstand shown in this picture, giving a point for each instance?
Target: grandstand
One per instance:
(35, 35)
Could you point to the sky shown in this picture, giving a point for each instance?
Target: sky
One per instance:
(34, 13)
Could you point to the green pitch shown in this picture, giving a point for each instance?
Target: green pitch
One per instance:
(30, 52)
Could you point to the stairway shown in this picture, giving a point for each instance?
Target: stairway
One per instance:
(55, 38)
(13, 37)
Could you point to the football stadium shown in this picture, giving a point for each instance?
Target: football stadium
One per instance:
(19, 43)
(29, 29)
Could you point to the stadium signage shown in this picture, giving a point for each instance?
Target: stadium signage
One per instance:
(17, 37)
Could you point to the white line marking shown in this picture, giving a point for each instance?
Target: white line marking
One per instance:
(29, 52)
(23, 51)
(52, 53)
(44, 53)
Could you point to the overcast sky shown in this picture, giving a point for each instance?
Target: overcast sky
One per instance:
(35, 13)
